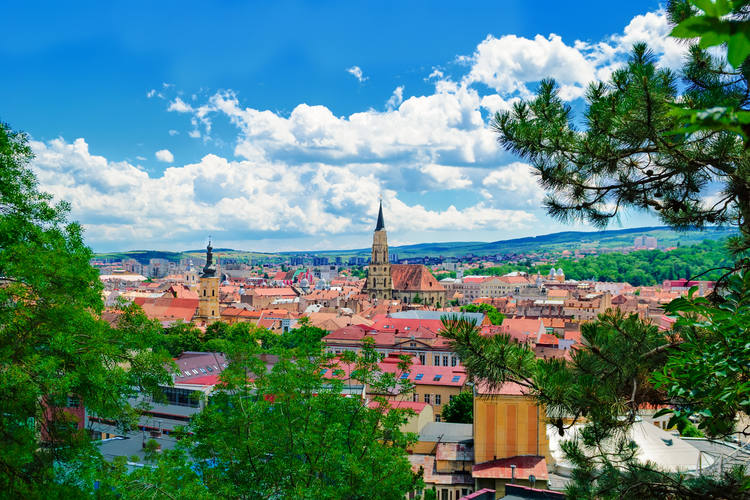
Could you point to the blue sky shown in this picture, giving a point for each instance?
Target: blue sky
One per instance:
(276, 125)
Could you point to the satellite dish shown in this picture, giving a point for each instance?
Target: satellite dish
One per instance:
(532, 479)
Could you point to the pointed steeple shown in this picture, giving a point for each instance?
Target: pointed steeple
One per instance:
(381, 223)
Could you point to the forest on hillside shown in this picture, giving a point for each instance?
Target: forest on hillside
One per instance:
(641, 268)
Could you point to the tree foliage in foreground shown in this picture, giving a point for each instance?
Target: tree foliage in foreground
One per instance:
(626, 156)
(54, 347)
(289, 433)
(625, 364)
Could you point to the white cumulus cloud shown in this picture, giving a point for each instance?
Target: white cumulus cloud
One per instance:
(311, 173)
(396, 99)
(165, 156)
(117, 202)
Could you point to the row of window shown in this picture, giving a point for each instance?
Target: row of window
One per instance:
(445, 493)
(430, 399)
(200, 369)
(453, 360)
(182, 397)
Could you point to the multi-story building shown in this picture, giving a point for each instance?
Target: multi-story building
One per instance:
(510, 438)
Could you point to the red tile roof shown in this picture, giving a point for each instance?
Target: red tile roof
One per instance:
(500, 469)
(455, 451)
(417, 407)
(353, 332)
(548, 339)
(414, 277)
(507, 389)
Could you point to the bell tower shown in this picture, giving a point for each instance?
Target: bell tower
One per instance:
(379, 283)
(208, 295)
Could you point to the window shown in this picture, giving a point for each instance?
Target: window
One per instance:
(73, 402)
(209, 368)
(413, 344)
(437, 399)
(456, 378)
(439, 419)
(195, 372)
(404, 376)
(416, 397)
(213, 293)
(204, 292)
(187, 373)
(450, 398)
(427, 398)
(419, 376)
(323, 372)
(437, 378)
(202, 370)
(437, 360)
(421, 357)
(181, 397)
(445, 360)
(454, 361)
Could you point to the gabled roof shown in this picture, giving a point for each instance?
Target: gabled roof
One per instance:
(353, 332)
(507, 389)
(411, 405)
(414, 278)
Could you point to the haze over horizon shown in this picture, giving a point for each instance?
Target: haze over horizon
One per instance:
(282, 137)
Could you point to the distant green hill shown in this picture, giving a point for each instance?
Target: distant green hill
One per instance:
(567, 240)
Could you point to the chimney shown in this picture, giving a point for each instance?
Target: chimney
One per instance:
(512, 474)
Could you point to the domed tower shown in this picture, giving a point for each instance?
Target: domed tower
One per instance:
(208, 295)
(379, 283)
(560, 275)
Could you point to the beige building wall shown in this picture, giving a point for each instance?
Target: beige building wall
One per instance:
(431, 394)
(417, 422)
(208, 300)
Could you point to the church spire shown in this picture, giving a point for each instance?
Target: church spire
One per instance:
(381, 223)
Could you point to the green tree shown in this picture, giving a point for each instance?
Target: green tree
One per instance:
(460, 409)
(717, 388)
(496, 318)
(288, 433)
(55, 348)
(610, 376)
(626, 156)
(417, 299)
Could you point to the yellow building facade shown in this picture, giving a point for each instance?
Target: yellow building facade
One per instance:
(509, 429)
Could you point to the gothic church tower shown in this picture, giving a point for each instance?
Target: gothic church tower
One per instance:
(379, 283)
